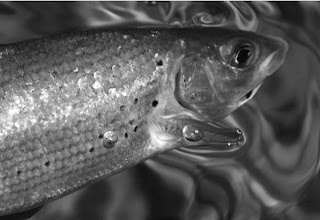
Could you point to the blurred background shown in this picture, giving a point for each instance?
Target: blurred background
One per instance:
(275, 176)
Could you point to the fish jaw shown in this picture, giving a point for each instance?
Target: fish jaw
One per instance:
(170, 125)
(179, 131)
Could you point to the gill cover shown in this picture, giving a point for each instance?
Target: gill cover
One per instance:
(194, 90)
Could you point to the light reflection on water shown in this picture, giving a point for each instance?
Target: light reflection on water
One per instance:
(274, 177)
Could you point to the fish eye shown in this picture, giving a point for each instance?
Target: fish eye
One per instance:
(242, 56)
(239, 53)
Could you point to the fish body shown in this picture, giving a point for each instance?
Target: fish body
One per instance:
(79, 107)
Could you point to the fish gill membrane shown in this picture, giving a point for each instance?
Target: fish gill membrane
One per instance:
(79, 107)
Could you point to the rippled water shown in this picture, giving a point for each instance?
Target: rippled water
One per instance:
(275, 176)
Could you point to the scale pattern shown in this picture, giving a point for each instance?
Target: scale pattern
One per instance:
(59, 95)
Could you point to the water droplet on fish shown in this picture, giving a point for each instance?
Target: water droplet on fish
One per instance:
(192, 133)
(109, 139)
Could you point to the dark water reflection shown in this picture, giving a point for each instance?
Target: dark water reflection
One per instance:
(274, 177)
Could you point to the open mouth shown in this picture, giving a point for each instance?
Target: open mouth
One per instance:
(249, 95)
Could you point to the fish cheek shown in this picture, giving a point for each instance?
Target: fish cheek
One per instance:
(220, 77)
(229, 83)
(245, 80)
(192, 89)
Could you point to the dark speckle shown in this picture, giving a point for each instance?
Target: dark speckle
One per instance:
(159, 62)
(126, 135)
(154, 103)
(248, 94)
(18, 172)
(47, 163)
(135, 101)
(91, 149)
(122, 107)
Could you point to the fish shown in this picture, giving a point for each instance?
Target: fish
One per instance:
(81, 106)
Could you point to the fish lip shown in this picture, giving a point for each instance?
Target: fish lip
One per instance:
(249, 95)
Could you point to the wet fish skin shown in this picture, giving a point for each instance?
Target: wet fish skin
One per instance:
(59, 95)
(51, 111)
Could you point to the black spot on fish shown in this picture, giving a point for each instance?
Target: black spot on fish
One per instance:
(126, 135)
(18, 172)
(91, 149)
(159, 62)
(135, 101)
(47, 163)
(155, 103)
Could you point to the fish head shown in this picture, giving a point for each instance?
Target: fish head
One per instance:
(217, 73)
(225, 70)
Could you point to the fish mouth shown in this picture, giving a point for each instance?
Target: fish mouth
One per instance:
(249, 95)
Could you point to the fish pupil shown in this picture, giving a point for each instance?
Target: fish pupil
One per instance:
(243, 55)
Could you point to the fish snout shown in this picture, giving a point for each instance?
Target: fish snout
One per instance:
(276, 58)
